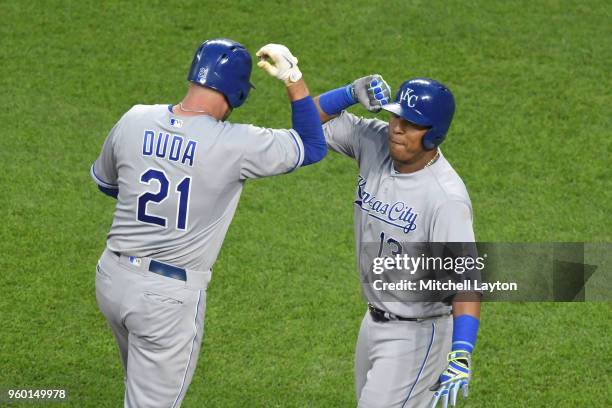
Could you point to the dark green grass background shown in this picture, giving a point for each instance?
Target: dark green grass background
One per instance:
(531, 139)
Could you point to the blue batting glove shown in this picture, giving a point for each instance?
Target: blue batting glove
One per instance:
(456, 377)
(371, 91)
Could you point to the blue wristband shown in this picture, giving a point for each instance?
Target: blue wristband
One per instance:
(337, 100)
(465, 331)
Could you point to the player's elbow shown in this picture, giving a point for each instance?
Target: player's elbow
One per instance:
(314, 152)
(321, 152)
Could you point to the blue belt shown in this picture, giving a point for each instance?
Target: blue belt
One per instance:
(166, 270)
(169, 271)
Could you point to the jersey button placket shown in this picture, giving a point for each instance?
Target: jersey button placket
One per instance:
(386, 182)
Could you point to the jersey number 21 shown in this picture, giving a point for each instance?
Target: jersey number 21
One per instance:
(182, 189)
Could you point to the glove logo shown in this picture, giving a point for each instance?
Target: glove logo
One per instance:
(407, 96)
(289, 61)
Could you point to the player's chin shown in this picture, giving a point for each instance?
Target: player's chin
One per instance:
(397, 151)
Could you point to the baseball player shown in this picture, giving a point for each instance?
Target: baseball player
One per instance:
(408, 354)
(177, 172)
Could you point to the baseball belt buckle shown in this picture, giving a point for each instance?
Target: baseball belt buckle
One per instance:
(390, 316)
(380, 315)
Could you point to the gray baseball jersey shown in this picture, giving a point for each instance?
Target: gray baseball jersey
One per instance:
(180, 180)
(430, 205)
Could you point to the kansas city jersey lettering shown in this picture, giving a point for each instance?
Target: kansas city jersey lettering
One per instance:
(398, 213)
(171, 147)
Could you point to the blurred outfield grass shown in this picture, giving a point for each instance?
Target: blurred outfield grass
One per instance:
(531, 139)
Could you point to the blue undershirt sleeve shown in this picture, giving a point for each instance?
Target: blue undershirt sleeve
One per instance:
(306, 122)
(335, 101)
(111, 192)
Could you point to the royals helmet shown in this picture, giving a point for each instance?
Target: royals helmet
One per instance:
(225, 66)
(427, 103)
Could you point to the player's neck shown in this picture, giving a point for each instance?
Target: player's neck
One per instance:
(428, 158)
(203, 101)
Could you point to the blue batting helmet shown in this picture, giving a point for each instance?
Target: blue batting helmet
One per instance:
(225, 66)
(428, 103)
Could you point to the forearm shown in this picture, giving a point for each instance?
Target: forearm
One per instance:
(466, 321)
(463, 307)
(297, 90)
(324, 117)
(331, 103)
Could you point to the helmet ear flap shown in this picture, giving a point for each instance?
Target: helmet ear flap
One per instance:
(429, 141)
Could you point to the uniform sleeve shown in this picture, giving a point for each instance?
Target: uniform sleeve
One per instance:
(453, 223)
(342, 134)
(104, 169)
(268, 152)
(354, 136)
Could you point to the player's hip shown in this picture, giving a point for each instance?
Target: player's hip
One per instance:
(412, 333)
(150, 300)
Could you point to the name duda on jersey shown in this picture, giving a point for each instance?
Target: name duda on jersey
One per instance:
(170, 147)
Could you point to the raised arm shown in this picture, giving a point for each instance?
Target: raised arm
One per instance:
(278, 61)
(371, 91)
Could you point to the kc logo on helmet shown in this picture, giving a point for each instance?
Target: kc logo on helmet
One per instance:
(407, 95)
